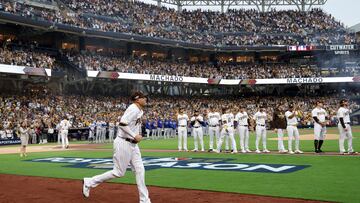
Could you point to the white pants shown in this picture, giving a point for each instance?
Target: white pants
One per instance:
(111, 135)
(280, 134)
(198, 133)
(293, 132)
(228, 133)
(173, 132)
(103, 134)
(147, 132)
(98, 135)
(214, 131)
(167, 133)
(319, 132)
(244, 137)
(260, 134)
(153, 134)
(182, 138)
(343, 135)
(125, 154)
(64, 138)
(159, 132)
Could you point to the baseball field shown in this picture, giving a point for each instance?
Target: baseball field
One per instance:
(52, 174)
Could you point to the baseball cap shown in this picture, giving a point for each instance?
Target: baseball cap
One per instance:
(138, 95)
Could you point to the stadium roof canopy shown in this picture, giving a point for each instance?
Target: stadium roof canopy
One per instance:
(355, 28)
(261, 5)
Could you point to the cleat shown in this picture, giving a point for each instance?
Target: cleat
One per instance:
(291, 152)
(210, 150)
(86, 189)
(266, 151)
(299, 152)
(243, 151)
(258, 151)
(248, 150)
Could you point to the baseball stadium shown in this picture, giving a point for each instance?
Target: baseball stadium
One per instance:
(169, 101)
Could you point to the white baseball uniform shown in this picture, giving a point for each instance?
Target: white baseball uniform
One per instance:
(319, 131)
(214, 129)
(111, 131)
(344, 113)
(243, 127)
(126, 153)
(64, 128)
(292, 130)
(260, 119)
(227, 131)
(182, 131)
(198, 132)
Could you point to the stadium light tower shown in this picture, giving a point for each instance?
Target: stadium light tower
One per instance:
(261, 5)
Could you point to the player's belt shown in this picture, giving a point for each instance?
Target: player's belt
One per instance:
(292, 125)
(347, 123)
(243, 125)
(197, 126)
(213, 125)
(182, 125)
(260, 125)
(130, 140)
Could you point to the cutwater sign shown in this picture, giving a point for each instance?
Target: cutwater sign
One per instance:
(151, 163)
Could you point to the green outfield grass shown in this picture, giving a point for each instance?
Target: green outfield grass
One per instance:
(331, 178)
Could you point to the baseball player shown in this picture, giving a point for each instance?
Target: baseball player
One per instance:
(173, 127)
(292, 130)
(111, 131)
(103, 131)
(147, 128)
(153, 129)
(227, 119)
(241, 119)
(167, 128)
(182, 130)
(126, 150)
(320, 116)
(279, 125)
(197, 121)
(64, 129)
(260, 118)
(92, 132)
(214, 128)
(98, 131)
(160, 125)
(343, 115)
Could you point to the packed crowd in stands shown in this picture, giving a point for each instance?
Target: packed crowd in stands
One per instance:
(42, 111)
(208, 70)
(26, 58)
(235, 27)
(30, 58)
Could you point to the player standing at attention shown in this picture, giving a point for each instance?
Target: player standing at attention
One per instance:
(147, 128)
(214, 129)
(64, 129)
(260, 118)
(279, 125)
(197, 121)
(320, 116)
(292, 130)
(182, 130)
(160, 125)
(227, 119)
(243, 127)
(153, 129)
(111, 130)
(343, 115)
(126, 150)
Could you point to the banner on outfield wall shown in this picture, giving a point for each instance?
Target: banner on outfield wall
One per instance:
(9, 141)
(23, 70)
(218, 81)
